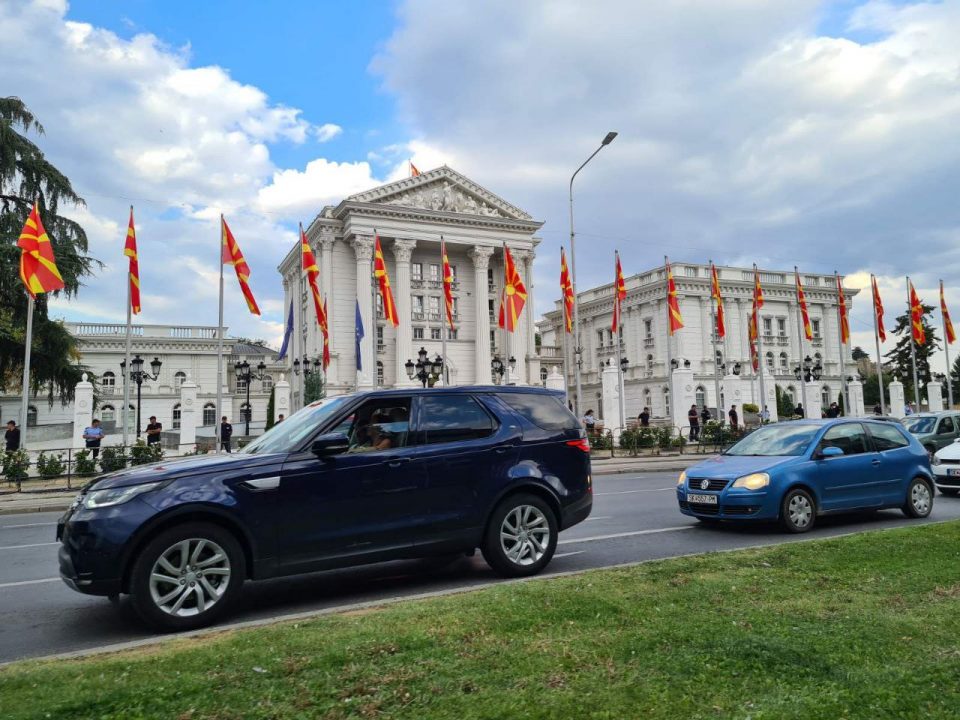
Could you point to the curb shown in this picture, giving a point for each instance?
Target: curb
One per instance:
(34, 509)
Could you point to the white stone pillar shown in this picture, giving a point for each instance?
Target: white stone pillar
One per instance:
(281, 398)
(83, 410)
(326, 289)
(895, 391)
(610, 390)
(518, 338)
(732, 388)
(555, 380)
(682, 397)
(934, 396)
(481, 262)
(770, 390)
(188, 414)
(363, 247)
(855, 393)
(813, 409)
(533, 365)
(402, 251)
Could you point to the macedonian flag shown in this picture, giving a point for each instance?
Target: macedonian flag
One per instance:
(878, 309)
(230, 255)
(842, 310)
(673, 302)
(916, 316)
(447, 283)
(130, 250)
(947, 324)
(383, 280)
(619, 293)
(309, 263)
(718, 298)
(566, 292)
(326, 339)
(802, 301)
(38, 267)
(514, 293)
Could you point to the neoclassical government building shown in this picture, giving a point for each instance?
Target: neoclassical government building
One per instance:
(645, 335)
(410, 216)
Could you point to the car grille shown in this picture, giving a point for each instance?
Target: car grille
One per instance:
(739, 510)
(947, 461)
(715, 484)
(717, 509)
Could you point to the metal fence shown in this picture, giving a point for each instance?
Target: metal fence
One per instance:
(635, 441)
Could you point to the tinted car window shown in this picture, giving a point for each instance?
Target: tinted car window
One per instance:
(920, 425)
(380, 424)
(285, 436)
(849, 437)
(946, 426)
(545, 411)
(451, 418)
(887, 437)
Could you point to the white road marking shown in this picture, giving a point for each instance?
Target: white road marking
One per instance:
(29, 582)
(11, 527)
(598, 517)
(628, 492)
(559, 555)
(612, 536)
(32, 545)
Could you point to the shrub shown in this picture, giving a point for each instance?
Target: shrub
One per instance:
(663, 436)
(16, 465)
(141, 453)
(197, 451)
(751, 408)
(112, 458)
(50, 466)
(602, 441)
(641, 437)
(83, 463)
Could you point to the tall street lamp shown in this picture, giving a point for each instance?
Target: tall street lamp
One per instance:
(245, 374)
(305, 368)
(139, 376)
(424, 369)
(499, 369)
(577, 347)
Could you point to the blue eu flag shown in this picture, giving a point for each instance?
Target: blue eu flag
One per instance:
(359, 336)
(287, 334)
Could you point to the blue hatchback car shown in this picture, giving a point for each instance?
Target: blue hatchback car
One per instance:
(795, 471)
(348, 480)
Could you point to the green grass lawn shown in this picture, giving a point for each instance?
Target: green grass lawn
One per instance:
(866, 626)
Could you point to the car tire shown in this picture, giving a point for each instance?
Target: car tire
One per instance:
(187, 577)
(798, 511)
(521, 536)
(949, 492)
(919, 500)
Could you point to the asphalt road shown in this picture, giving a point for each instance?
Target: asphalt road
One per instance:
(634, 518)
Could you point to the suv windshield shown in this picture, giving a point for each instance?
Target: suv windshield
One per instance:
(920, 425)
(782, 439)
(287, 435)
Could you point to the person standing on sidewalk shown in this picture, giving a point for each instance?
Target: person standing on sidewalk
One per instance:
(226, 432)
(12, 436)
(645, 417)
(693, 417)
(153, 431)
(734, 418)
(93, 435)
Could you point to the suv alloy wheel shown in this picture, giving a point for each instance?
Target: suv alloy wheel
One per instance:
(521, 536)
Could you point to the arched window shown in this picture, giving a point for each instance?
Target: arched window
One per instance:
(246, 413)
(718, 358)
(179, 378)
(31, 416)
(770, 360)
(176, 416)
(646, 397)
(784, 363)
(108, 382)
(209, 414)
(379, 373)
(666, 401)
(825, 397)
(543, 376)
(267, 383)
(107, 413)
(701, 396)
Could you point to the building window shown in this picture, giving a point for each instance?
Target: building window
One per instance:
(815, 326)
(209, 414)
(490, 282)
(179, 378)
(266, 384)
(690, 271)
(825, 397)
(770, 360)
(417, 308)
(452, 334)
(782, 327)
(241, 384)
(380, 343)
(649, 363)
(701, 396)
(434, 307)
(418, 333)
(453, 273)
(434, 272)
(600, 337)
(416, 271)
(666, 401)
(718, 359)
(31, 416)
(784, 363)
(456, 307)
(176, 416)
(107, 383)
(648, 328)
(379, 373)
(767, 326)
(435, 333)
(107, 413)
(379, 305)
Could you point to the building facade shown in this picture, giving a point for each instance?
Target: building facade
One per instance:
(410, 217)
(645, 335)
(184, 351)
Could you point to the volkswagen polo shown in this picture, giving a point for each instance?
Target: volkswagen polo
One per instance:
(348, 480)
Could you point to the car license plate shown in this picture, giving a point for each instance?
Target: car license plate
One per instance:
(953, 472)
(702, 499)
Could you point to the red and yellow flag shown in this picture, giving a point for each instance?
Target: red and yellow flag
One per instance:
(673, 302)
(757, 290)
(718, 298)
(619, 293)
(383, 280)
(38, 267)
(326, 338)
(878, 309)
(309, 262)
(947, 324)
(231, 255)
(916, 317)
(447, 284)
(514, 293)
(130, 250)
(413, 170)
(802, 301)
(842, 310)
(753, 327)
(566, 292)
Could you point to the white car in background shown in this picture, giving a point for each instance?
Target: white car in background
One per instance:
(946, 469)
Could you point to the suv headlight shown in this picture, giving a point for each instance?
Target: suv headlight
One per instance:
(683, 478)
(754, 481)
(117, 496)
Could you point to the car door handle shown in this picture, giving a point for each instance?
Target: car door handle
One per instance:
(875, 463)
(501, 449)
(397, 462)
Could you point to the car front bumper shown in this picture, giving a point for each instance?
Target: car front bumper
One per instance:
(943, 480)
(739, 505)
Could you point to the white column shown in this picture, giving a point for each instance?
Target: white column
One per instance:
(281, 398)
(83, 410)
(533, 366)
(555, 380)
(682, 397)
(326, 289)
(732, 387)
(363, 247)
(188, 414)
(402, 250)
(518, 338)
(895, 391)
(855, 391)
(481, 261)
(934, 396)
(770, 389)
(813, 409)
(610, 397)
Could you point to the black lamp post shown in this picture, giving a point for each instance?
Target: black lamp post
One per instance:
(737, 368)
(424, 369)
(499, 369)
(623, 364)
(246, 374)
(139, 375)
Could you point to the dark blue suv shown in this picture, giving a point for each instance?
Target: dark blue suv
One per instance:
(348, 480)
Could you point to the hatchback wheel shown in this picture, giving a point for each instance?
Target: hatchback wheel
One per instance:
(521, 536)
(187, 577)
(919, 502)
(798, 513)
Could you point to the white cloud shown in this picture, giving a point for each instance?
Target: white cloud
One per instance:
(293, 192)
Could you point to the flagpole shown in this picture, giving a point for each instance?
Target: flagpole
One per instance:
(843, 373)
(946, 347)
(25, 399)
(373, 311)
(444, 324)
(876, 338)
(761, 360)
(563, 342)
(666, 281)
(619, 314)
(503, 329)
(913, 351)
(714, 335)
(801, 330)
(126, 367)
(216, 421)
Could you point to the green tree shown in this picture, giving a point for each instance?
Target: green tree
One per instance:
(955, 373)
(784, 405)
(25, 176)
(899, 357)
(271, 410)
(859, 353)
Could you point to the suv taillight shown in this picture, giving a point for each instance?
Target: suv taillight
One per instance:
(581, 444)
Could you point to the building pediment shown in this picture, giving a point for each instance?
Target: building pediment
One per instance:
(442, 190)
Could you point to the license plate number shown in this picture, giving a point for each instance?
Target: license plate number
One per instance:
(953, 472)
(702, 499)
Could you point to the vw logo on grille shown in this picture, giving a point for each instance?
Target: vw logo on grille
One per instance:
(704, 484)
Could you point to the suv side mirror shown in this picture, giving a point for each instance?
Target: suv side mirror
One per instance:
(330, 444)
(831, 451)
